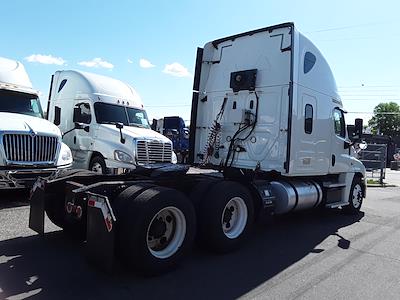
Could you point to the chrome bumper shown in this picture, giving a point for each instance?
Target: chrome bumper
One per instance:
(24, 178)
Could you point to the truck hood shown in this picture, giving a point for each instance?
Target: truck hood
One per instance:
(137, 132)
(24, 123)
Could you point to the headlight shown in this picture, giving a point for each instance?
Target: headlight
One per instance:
(174, 159)
(65, 156)
(123, 156)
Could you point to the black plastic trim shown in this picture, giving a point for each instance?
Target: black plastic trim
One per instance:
(289, 127)
(270, 29)
(195, 103)
(48, 100)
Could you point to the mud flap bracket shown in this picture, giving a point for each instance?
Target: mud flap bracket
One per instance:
(100, 235)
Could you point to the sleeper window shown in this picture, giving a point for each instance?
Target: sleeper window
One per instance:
(62, 85)
(309, 62)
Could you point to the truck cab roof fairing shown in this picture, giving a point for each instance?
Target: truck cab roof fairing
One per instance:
(102, 88)
(320, 77)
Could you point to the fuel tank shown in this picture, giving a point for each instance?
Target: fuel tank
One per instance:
(295, 195)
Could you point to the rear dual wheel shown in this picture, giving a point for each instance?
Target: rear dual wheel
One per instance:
(225, 216)
(156, 228)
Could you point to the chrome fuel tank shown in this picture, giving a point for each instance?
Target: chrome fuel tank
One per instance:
(295, 195)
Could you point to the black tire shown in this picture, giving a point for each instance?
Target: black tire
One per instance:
(213, 207)
(179, 158)
(134, 229)
(55, 202)
(355, 197)
(74, 228)
(98, 162)
(55, 209)
(120, 205)
(199, 191)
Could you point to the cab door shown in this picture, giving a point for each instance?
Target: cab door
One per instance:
(82, 138)
(339, 146)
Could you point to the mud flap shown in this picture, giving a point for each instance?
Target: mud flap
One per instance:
(100, 234)
(37, 206)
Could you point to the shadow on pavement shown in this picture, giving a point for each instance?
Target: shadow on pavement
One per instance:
(13, 198)
(53, 267)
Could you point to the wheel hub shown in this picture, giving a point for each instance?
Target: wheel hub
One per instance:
(234, 217)
(158, 228)
(97, 168)
(228, 213)
(357, 196)
(166, 232)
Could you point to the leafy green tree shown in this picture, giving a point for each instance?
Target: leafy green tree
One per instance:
(386, 119)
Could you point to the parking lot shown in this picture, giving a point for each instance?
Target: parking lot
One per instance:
(313, 255)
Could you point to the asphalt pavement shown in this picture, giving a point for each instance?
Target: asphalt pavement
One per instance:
(310, 255)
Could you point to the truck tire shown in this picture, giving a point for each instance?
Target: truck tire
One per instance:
(98, 165)
(55, 202)
(225, 217)
(55, 210)
(121, 212)
(355, 197)
(199, 191)
(156, 230)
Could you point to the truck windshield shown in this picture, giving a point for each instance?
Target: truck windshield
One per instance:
(20, 103)
(138, 117)
(112, 114)
(171, 122)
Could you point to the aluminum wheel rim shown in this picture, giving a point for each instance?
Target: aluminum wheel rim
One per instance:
(96, 167)
(171, 223)
(234, 217)
(357, 196)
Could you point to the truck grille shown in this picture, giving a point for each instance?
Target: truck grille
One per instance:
(27, 148)
(153, 152)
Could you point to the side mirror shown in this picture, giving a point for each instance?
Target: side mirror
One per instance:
(77, 115)
(358, 128)
(120, 126)
(154, 125)
(174, 131)
(363, 145)
(85, 127)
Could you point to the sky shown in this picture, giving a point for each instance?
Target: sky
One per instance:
(151, 45)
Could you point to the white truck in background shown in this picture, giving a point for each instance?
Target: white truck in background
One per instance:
(105, 124)
(30, 146)
(266, 114)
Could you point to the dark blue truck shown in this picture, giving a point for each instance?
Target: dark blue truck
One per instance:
(175, 129)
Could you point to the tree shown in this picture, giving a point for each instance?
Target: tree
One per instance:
(386, 119)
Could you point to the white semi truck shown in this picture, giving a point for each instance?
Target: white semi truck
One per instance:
(29, 145)
(104, 123)
(266, 114)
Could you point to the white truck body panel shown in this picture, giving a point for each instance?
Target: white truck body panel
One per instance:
(29, 145)
(241, 54)
(291, 75)
(71, 88)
